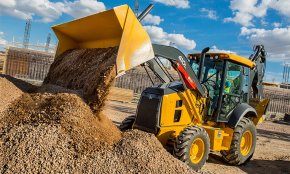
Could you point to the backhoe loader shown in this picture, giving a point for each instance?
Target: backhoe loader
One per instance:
(215, 106)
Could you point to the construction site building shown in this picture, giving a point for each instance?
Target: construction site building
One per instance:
(29, 65)
(2, 60)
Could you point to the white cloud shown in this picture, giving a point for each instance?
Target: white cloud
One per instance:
(2, 40)
(49, 11)
(276, 41)
(151, 19)
(81, 8)
(26, 9)
(243, 19)
(161, 37)
(245, 11)
(215, 49)
(277, 24)
(176, 3)
(211, 14)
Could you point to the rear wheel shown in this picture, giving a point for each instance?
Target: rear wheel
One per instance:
(192, 147)
(127, 123)
(243, 143)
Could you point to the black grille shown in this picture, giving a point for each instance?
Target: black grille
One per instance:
(148, 113)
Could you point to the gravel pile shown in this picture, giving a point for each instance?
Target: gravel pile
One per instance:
(58, 128)
(8, 93)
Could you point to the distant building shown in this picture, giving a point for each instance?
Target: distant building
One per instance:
(2, 61)
(27, 64)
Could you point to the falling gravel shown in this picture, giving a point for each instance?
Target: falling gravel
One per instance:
(89, 71)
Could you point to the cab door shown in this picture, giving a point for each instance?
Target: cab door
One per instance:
(231, 93)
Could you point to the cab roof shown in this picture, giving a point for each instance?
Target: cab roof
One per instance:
(226, 56)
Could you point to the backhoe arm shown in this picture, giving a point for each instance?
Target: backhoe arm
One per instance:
(257, 74)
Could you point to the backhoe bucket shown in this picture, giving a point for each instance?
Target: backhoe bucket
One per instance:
(116, 27)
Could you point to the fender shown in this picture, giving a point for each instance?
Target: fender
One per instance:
(239, 112)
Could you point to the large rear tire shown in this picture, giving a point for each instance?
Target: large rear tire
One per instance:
(127, 123)
(192, 147)
(243, 143)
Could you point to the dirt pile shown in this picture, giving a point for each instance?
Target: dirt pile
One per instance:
(90, 71)
(143, 153)
(8, 93)
(46, 132)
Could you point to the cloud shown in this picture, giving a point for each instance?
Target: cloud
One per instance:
(161, 37)
(215, 49)
(81, 8)
(2, 40)
(276, 41)
(47, 10)
(245, 11)
(151, 19)
(26, 9)
(277, 24)
(211, 14)
(176, 3)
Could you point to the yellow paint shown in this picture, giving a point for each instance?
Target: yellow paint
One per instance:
(192, 113)
(231, 57)
(191, 109)
(197, 150)
(220, 138)
(260, 106)
(116, 27)
(246, 143)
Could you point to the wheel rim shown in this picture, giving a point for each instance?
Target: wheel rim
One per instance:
(197, 150)
(246, 143)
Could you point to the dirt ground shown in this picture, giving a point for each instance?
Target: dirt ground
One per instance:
(272, 153)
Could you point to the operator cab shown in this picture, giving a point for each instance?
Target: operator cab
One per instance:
(225, 78)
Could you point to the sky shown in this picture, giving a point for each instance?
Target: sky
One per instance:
(190, 25)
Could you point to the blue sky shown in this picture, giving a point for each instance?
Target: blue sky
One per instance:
(191, 25)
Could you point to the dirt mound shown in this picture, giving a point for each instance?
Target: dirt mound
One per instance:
(45, 132)
(64, 109)
(20, 84)
(8, 93)
(143, 153)
(91, 71)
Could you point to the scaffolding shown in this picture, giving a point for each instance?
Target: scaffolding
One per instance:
(26, 64)
(2, 60)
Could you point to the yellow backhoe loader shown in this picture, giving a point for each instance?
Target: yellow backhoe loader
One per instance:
(215, 106)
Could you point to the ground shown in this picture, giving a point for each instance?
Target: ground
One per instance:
(272, 154)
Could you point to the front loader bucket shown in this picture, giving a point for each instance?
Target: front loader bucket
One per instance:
(116, 27)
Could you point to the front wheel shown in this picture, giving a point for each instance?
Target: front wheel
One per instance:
(127, 123)
(192, 147)
(243, 143)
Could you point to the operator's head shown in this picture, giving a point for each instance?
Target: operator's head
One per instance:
(228, 84)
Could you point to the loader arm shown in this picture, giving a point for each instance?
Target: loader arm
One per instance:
(177, 58)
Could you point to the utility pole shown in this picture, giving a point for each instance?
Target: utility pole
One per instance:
(48, 42)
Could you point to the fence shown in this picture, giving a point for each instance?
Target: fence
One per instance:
(279, 99)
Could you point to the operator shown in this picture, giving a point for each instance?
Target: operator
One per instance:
(227, 87)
